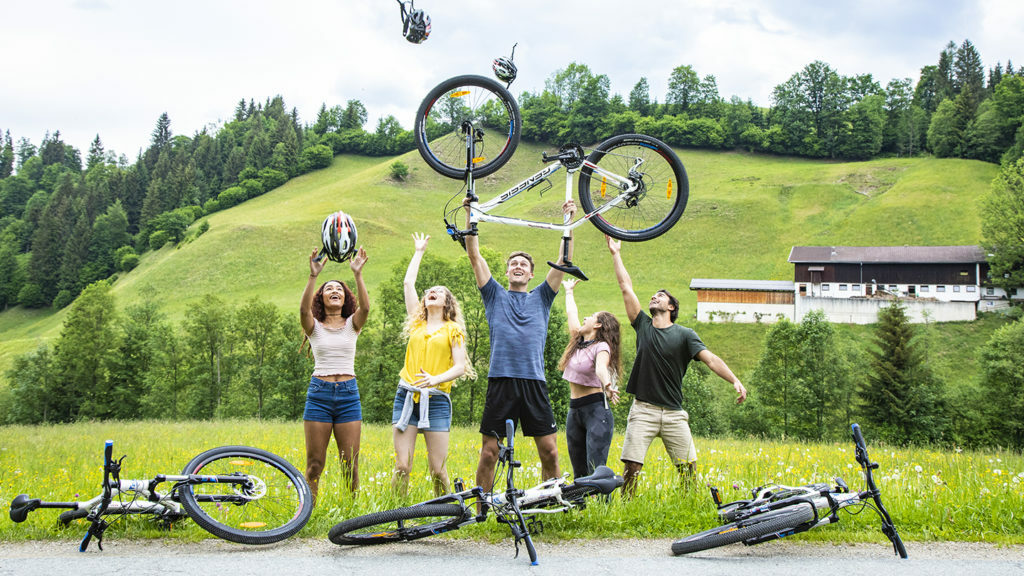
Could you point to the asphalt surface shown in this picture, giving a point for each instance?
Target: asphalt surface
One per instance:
(454, 557)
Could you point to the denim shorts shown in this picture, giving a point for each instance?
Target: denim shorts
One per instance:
(440, 412)
(333, 402)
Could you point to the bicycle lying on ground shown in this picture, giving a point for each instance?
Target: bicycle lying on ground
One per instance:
(237, 493)
(777, 511)
(632, 187)
(514, 507)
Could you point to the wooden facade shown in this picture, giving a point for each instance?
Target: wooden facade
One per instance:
(745, 296)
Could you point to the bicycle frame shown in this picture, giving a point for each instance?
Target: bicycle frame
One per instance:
(479, 212)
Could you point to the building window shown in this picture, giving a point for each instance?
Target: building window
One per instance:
(855, 287)
(972, 288)
(924, 288)
(803, 289)
(956, 288)
(892, 287)
(843, 287)
(990, 291)
(824, 288)
(940, 288)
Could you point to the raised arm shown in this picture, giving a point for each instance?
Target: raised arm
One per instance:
(419, 242)
(718, 366)
(480, 269)
(571, 311)
(306, 304)
(555, 276)
(625, 282)
(363, 306)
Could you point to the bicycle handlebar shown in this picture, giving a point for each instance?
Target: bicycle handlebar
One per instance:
(888, 528)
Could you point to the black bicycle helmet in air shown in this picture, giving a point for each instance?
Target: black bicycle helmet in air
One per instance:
(339, 237)
(415, 23)
(504, 69)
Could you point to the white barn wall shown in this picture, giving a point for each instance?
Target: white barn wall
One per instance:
(865, 311)
(743, 313)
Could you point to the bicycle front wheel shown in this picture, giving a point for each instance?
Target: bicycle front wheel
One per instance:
(772, 522)
(396, 525)
(270, 503)
(473, 102)
(662, 187)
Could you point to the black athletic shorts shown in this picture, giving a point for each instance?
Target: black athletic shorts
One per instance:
(523, 401)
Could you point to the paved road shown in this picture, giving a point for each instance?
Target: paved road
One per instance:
(456, 557)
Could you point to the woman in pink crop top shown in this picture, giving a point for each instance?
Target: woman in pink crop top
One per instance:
(331, 319)
(590, 362)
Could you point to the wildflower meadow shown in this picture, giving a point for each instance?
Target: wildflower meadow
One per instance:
(932, 494)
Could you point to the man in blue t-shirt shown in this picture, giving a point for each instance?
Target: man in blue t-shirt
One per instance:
(518, 323)
(664, 350)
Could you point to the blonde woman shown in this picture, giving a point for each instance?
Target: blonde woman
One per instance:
(434, 358)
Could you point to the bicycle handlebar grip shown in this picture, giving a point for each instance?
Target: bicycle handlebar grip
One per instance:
(510, 432)
(85, 541)
(108, 454)
(858, 438)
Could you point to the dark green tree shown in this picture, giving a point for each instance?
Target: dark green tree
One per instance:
(82, 355)
(945, 132)
(206, 326)
(161, 136)
(1002, 227)
(258, 329)
(1002, 382)
(683, 89)
(900, 398)
(7, 156)
(640, 98)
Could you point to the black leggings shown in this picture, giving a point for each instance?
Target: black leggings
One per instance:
(588, 433)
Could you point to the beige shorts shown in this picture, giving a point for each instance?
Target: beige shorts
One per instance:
(647, 422)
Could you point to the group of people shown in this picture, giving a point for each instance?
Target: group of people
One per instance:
(517, 320)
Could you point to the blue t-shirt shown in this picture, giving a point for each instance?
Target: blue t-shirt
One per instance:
(518, 325)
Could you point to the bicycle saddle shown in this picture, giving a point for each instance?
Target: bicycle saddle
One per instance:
(603, 479)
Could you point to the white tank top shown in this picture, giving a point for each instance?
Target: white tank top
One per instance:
(334, 351)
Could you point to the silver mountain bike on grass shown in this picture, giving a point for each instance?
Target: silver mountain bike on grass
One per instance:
(632, 187)
(517, 508)
(237, 493)
(777, 511)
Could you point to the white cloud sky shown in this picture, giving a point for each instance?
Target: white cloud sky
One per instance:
(111, 67)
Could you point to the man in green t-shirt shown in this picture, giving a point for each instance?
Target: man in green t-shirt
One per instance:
(663, 352)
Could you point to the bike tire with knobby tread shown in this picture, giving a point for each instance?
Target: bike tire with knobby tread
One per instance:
(483, 102)
(349, 531)
(282, 509)
(771, 522)
(664, 192)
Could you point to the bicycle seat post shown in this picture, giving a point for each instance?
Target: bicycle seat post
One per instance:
(567, 266)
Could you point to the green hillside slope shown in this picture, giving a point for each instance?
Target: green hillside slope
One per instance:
(744, 215)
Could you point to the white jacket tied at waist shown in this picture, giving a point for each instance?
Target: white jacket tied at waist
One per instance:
(410, 391)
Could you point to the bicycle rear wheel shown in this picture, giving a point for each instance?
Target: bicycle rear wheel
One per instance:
(772, 522)
(409, 523)
(475, 101)
(272, 504)
(659, 200)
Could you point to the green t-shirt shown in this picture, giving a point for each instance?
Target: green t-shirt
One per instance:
(662, 355)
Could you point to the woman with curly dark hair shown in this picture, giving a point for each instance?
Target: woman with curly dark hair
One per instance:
(332, 319)
(590, 363)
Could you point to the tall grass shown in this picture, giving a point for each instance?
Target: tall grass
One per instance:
(932, 495)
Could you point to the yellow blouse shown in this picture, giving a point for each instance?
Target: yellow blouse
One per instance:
(431, 351)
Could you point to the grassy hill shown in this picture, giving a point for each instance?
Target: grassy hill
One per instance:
(744, 215)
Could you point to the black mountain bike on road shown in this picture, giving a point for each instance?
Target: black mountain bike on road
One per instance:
(777, 511)
(237, 493)
(514, 507)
